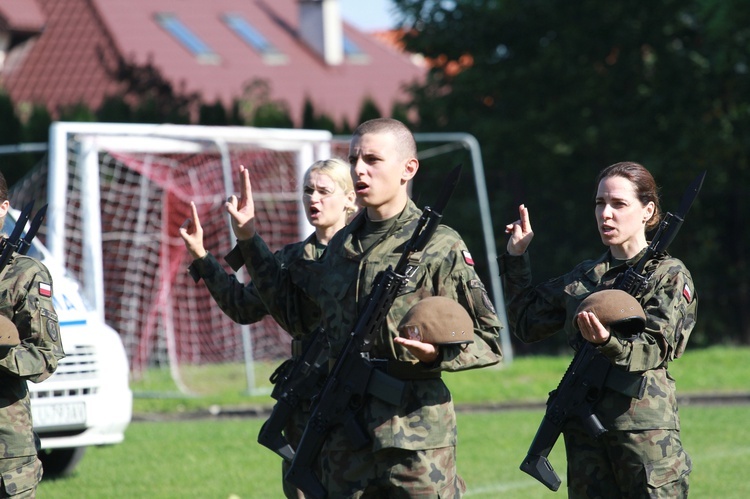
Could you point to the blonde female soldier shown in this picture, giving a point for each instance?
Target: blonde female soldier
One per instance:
(329, 201)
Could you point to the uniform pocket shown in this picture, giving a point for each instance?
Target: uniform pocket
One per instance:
(668, 470)
(23, 476)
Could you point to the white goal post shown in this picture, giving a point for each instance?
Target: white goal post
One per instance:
(118, 193)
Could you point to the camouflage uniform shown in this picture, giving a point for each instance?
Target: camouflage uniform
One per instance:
(412, 450)
(641, 455)
(26, 299)
(242, 303)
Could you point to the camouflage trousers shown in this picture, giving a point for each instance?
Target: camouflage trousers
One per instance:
(626, 464)
(392, 473)
(293, 434)
(20, 476)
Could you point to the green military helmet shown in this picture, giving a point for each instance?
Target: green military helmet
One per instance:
(615, 309)
(8, 332)
(437, 320)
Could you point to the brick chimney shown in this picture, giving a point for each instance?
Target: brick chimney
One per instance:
(321, 28)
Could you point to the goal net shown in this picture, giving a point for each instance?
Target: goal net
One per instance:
(118, 194)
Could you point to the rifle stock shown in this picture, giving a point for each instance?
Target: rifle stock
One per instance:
(579, 390)
(585, 380)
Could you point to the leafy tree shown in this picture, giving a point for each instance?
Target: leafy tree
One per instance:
(114, 109)
(369, 110)
(257, 108)
(12, 166)
(556, 90)
(213, 114)
(158, 99)
(76, 112)
(10, 123)
(313, 121)
(37, 125)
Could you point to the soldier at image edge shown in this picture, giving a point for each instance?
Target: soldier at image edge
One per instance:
(641, 453)
(30, 349)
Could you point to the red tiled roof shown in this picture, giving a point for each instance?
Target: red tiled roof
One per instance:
(62, 67)
(23, 16)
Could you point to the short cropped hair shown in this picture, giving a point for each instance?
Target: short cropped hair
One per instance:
(406, 144)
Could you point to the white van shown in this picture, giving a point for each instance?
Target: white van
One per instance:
(88, 400)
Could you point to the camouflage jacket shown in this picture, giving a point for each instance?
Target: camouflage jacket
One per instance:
(26, 299)
(341, 283)
(242, 302)
(670, 303)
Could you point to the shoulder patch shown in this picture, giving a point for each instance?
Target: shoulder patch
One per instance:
(687, 293)
(45, 289)
(467, 257)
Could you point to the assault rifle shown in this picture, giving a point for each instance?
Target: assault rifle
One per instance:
(590, 373)
(353, 376)
(14, 243)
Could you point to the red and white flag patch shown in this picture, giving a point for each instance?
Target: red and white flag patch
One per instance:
(687, 293)
(467, 257)
(45, 289)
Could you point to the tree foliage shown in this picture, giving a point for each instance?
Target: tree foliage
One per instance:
(556, 90)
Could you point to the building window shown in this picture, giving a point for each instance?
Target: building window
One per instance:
(254, 38)
(353, 53)
(172, 25)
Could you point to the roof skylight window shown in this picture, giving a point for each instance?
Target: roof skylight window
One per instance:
(189, 40)
(353, 53)
(251, 36)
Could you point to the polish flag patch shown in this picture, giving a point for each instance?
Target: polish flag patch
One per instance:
(687, 293)
(467, 257)
(45, 289)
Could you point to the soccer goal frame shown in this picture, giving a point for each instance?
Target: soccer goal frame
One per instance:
(307, 146)
(91, 140)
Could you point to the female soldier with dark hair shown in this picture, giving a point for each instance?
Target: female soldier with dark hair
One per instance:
(641, 455)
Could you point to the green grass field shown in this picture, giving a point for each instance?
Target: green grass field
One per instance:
(220, 458)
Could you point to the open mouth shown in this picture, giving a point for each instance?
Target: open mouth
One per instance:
(361, 187)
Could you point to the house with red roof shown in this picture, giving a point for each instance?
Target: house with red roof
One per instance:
(60, 53)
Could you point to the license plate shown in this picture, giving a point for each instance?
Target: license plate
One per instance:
(64, 414)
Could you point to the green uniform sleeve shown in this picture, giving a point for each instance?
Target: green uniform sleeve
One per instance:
(534, 313)
(27, 300)
(277, 283)
(670, 303)
(457, 278)
(240, 302)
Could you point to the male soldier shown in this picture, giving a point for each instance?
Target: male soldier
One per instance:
(412, 449)
(30, 348)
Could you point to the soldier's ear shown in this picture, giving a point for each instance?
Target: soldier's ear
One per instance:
(410, 169)
(4, 206)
